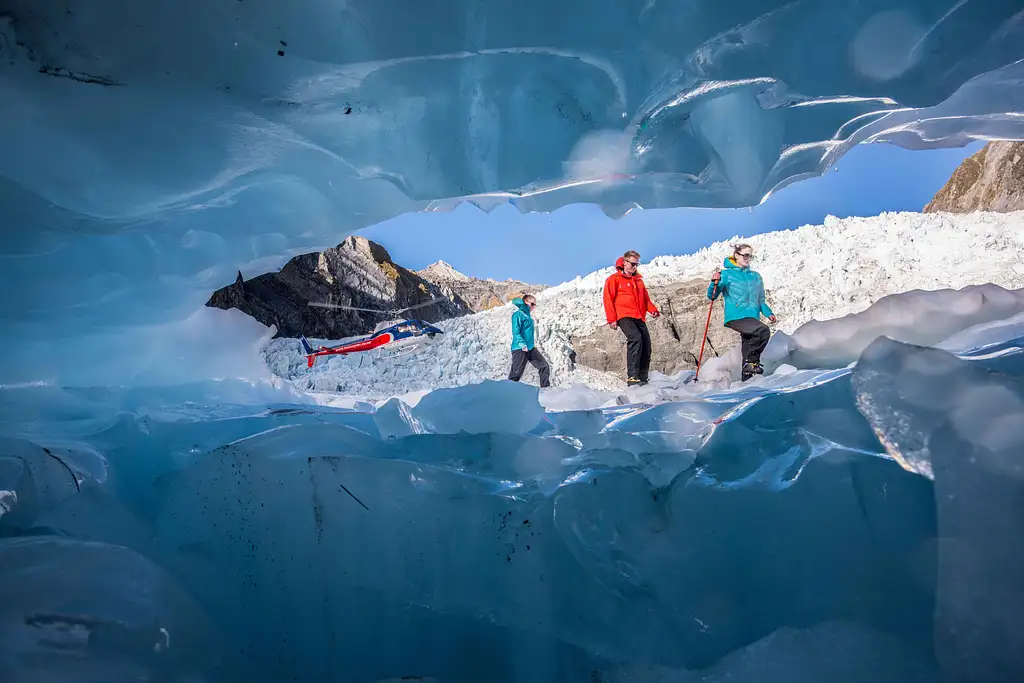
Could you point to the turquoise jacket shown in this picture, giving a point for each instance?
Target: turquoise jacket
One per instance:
(743, 290)
(522, 326)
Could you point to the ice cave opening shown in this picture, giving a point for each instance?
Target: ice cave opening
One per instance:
(182, 500)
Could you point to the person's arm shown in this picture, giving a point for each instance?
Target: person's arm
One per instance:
(766, 310)
(610, 287)
(715, 289)
(519, 323)
(651, 308)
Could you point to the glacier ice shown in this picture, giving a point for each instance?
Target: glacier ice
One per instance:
(172, 509)
(916, 317)
(79, 610)
(476, 532)
(962, 426)
(153, 151)
(839, 652)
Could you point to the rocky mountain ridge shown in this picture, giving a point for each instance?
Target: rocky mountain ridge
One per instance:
(307, 295)
(481, 295)
(990, 180)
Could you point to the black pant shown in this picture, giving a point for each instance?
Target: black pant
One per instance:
(755, 335)
(537, 360)
(638, 347)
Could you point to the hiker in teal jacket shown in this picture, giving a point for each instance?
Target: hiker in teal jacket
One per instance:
(523, 346)
(743, 290)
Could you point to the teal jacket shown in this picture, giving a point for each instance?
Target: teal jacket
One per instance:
(522, 326)
(743, 290)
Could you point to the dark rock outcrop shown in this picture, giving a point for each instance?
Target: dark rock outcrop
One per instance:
(675, 336)
(357, 273)
(481, 295)
(991, 180)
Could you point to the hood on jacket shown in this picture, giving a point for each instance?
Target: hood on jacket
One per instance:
(620, 265)
(521, 305)
(730, 262)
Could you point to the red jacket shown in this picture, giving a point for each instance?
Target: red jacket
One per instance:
(626, 297)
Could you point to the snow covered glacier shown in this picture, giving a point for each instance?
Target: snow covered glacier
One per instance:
(171, 511)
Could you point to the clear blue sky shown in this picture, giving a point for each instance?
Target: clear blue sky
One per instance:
(578, 239)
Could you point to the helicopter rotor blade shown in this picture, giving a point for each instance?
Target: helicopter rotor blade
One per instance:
(320, 304)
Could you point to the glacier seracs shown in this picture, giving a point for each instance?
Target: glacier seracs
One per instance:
(816, 276)
(173, 510)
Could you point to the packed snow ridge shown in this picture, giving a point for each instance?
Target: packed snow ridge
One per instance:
(816, 272)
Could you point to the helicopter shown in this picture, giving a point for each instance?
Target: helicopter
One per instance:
(399, 339)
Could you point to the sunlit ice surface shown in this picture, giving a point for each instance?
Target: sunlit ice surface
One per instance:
(173, 511)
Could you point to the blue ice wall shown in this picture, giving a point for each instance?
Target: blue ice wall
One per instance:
(150, 150)
(857, 525)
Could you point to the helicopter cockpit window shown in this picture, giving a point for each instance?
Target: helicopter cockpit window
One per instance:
(407, 328)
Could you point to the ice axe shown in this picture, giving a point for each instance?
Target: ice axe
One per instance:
(707, 326)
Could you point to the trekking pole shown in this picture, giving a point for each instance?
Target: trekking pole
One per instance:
(707, 326)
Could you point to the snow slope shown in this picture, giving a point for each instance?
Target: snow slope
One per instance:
(816, 272)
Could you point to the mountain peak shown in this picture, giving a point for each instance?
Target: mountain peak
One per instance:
(442, 270)
(990, 180)
(479, 294)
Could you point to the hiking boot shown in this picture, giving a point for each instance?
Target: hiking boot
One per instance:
(633, 382)
(751, 369)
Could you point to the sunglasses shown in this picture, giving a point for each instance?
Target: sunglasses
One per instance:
(746, 256)
(633, 263)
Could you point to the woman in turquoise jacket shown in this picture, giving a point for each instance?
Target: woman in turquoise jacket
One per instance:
(743, 290)
(523, 346)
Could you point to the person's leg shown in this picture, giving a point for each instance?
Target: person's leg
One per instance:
(758, 340)
(644, 368)
(754, 335)
(742, 327)
(634, 345)
(518, 365)
(538, 361)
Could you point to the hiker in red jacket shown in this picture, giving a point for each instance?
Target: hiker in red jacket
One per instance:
(626, 304)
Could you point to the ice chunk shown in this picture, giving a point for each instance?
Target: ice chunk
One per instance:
(46, 490)
(578, 423)
(394, 419)
(101, 611)
(577, 397)
(767, 441)
(984, 335)
(721, 371)
(838, 652)
(501, 407)
(32, 480)
(963, 426)
(916, 317)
